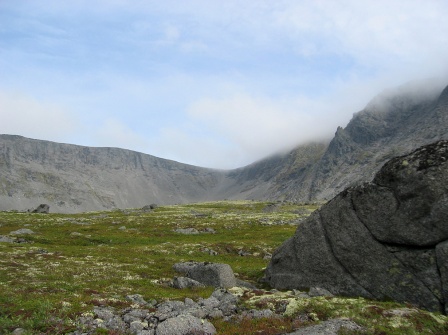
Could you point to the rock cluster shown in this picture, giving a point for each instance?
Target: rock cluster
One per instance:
(15, 236)
(189, 317)
(166, 318)
(387, 239)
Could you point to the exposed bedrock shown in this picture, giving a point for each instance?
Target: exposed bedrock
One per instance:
(387, 239)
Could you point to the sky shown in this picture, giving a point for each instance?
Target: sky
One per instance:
(213, 83)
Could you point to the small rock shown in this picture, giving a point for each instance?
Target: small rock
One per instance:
(257, 314)
(43, 208)
(103, 313)
(6, 239)
(212, 274)
(136, 299)
(267, 257)
(329, 327)
(244, 253)
(137, 326)
(23, 231)
(187, 231)
(75, 234)
(146, 332)
(146, 208)
(185, 325)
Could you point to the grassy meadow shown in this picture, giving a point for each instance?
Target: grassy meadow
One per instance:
(74, 262)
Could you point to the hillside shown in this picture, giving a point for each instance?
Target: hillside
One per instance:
(73, 178)
(392, 124)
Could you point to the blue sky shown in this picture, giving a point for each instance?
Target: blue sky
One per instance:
(211, 83)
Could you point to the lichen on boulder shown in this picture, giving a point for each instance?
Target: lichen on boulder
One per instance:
(386, 239)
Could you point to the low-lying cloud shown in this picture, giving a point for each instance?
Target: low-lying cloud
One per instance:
(26, 116)
(211, 83)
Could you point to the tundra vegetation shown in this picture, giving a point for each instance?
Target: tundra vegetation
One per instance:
(74, 262)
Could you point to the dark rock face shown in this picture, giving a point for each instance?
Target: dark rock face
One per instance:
(42, 208)
(387, 239)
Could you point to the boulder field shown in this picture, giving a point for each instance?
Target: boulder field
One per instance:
(386, 239)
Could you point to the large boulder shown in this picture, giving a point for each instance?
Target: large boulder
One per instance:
(387, 239)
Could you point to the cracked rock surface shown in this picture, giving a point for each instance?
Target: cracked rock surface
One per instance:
(387, 239)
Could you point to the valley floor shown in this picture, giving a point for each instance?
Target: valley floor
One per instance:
(54, 268)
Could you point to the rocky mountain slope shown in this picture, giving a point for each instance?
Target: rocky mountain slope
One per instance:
(392, 124)
(74, 178)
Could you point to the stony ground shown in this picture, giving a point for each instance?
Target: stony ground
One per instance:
(60, 272)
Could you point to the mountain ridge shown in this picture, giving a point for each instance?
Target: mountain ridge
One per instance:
(73, 178)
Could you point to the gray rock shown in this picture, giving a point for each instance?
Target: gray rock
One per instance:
(23, 231)
(135, 315)
(442, 263)
(209, 303)
(6, 239)
(185, 282)
(136, 327)
(224, 296)
(187, 231)
(137, 299)
(146, 332)
(210, 274)
(75, 234)
(107, 319)
(257, 314)
(407, 203)
(329, 327)
(42, 208)
(228, 302)
(185, 325)
(146, 208)
(377, 240)
(319, 292)
(104, 313)
(211, 252)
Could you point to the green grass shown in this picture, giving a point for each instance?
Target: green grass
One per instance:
(78, 261)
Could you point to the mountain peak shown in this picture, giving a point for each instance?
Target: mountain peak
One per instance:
(73, 178)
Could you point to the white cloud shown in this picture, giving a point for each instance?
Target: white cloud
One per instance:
(213, 83)
(258, 127)
(24, 115)
(115, 133)
(180, 144)
(375, 33)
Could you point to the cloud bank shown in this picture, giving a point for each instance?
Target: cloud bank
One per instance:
(212, 83)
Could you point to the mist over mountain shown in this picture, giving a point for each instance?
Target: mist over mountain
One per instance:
(73, 178)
